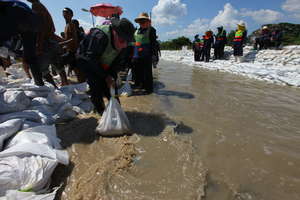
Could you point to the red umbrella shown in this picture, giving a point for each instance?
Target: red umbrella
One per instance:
(105, 10)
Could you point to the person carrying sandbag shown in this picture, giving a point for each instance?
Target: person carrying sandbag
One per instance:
(99, 55)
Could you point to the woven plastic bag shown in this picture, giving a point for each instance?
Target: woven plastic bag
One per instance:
(114, 121)
(126, 90)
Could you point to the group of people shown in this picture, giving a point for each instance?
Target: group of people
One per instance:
(95, 57)
(266, 38)
(202, 47)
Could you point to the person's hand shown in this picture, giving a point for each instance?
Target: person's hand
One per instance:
(110, 82)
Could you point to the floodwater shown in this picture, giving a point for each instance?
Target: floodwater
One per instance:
(202, 135)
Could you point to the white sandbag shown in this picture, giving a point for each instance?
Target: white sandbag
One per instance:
(129, 75)
(17, 195)
(32, 87)
(29, 124)
(76, 88)
(29, 115)
(25, 174)
(126, 90)
(57, 97)
(42, 135)
(78, 99)
(87, 106)
(13, 101)
(34, 94)
(65, 113)
(16, 72)
(114, 121)
(40, 140)
(39, 101)
(9, 128)
(78, 110)
(2, 89)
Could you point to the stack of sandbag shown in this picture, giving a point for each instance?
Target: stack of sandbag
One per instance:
(43, 105)
(28, 160)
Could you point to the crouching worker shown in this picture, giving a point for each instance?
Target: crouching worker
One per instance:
(99, 55)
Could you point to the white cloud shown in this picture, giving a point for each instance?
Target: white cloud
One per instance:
(166, 12)
(198, 26)
(229, 17)
(86, 25)
(263, 16)
(292, 6)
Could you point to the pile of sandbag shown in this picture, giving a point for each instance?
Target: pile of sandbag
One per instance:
(29, 147)
(27, 160)
(43, 105)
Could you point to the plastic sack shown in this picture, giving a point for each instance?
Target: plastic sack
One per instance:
(25, 174)
(9, 128)
(87, 106)
(17, 195)
(114, 121)
(29, 115)
(13, 101)
(40, 141)
(126, 90)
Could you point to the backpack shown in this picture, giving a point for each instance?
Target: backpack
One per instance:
(91, 45)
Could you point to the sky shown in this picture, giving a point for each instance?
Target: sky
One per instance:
(174, 18)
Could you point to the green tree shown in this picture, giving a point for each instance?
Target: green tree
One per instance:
(176, 44)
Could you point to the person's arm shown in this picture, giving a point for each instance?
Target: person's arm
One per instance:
(153, 39)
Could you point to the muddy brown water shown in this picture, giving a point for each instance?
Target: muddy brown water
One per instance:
(201, 135)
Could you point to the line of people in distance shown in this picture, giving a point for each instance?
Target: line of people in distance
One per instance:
(202, 46)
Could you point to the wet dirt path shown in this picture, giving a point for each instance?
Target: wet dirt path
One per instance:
(201, 135)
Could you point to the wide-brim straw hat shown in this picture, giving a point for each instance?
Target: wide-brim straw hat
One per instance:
(242, 24)
(142, 16)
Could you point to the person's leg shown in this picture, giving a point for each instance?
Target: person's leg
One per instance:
(207, 55)
(201, 56)
(29, 44)
(96, 94)
(222, 52)
(216, 52)
(148, 76)
(138, 65)
(94, 78)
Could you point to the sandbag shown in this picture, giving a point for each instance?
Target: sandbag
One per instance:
(29, 124)
(57, 97)
(29, 115)
(86, 106)
(114, 121)
(8, 129)
(126, 89)
(25, 174)
(76, 88)
(39, 101)
(40, 141)
(65, 113)
(17, 195)
(13, 101)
